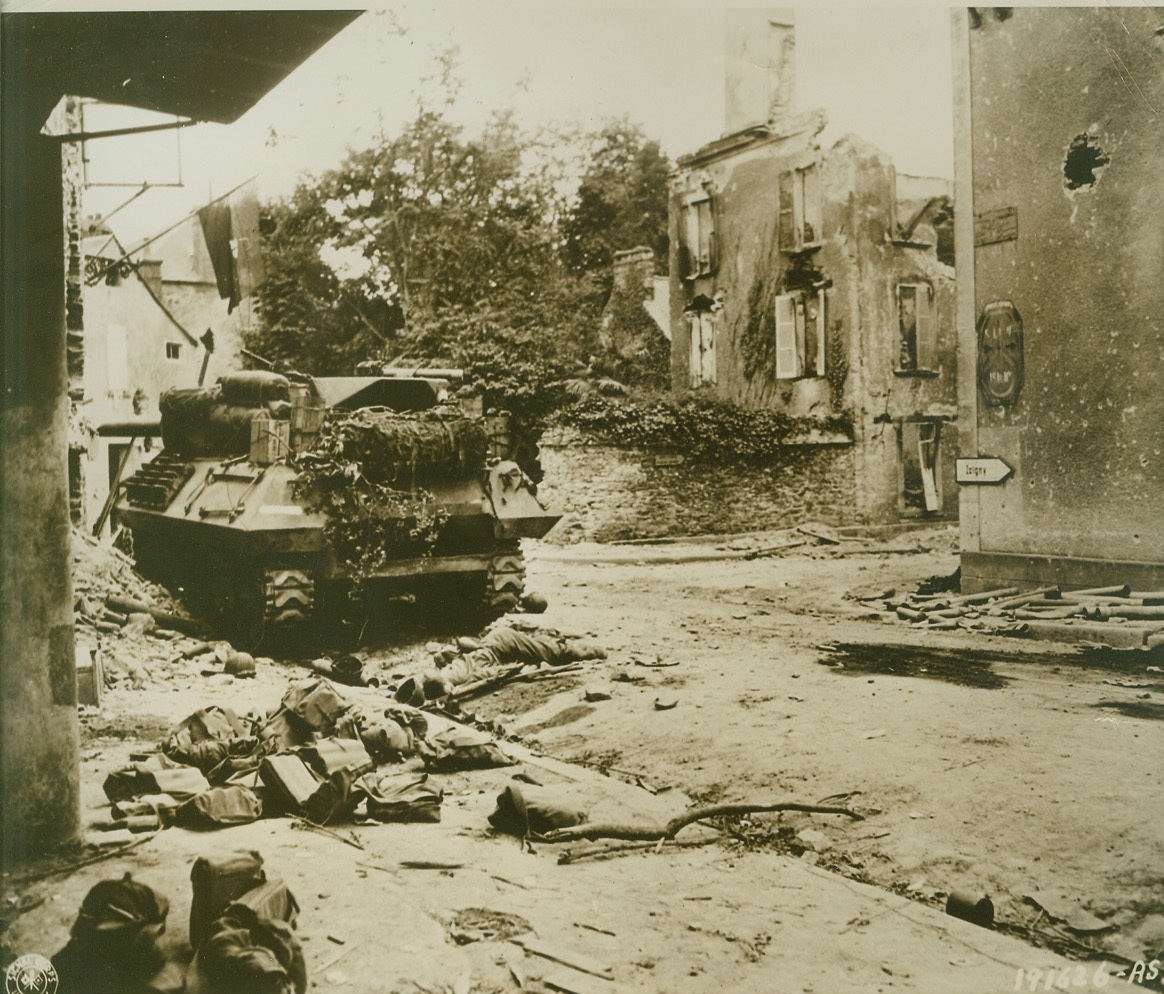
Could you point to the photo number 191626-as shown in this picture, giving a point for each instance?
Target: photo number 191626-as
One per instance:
(1083, 975)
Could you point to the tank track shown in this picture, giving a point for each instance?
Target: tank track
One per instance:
(288, 598)
(505, 581)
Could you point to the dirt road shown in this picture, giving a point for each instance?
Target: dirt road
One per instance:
(995, 767)
(999, 766)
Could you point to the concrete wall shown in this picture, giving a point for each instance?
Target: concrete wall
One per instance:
(607, 493)
(39, 736)
(1083, 268)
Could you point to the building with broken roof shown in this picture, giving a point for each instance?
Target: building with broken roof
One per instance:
(817, 282)
(1058, 150)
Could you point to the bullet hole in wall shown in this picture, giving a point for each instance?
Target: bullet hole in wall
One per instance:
(1084, 157)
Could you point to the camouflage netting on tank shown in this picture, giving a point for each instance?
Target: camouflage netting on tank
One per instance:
(403, 449)
(367, 472)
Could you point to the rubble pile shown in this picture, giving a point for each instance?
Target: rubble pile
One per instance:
(1137, 616)
(102, 571)
(114, 605)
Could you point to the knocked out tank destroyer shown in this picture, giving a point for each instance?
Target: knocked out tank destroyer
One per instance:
(276, 500)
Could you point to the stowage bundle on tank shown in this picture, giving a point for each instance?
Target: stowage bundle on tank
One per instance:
(403, 449)
(216, 421)
(368, 469)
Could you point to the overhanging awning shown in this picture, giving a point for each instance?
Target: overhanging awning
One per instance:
(210, 65)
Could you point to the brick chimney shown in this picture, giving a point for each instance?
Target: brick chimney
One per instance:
(759, 66)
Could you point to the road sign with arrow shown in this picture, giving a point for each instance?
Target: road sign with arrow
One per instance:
(982, 471)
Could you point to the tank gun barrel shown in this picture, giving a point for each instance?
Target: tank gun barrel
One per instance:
(429, 373)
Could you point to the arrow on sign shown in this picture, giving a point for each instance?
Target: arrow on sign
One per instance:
(982, 470)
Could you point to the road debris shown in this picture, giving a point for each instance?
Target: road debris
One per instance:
(1068, 911)
(692, 815)
(1096, 613)
(567, 957)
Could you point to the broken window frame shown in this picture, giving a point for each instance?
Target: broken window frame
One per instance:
(701, 348)
(927, 498)
(801, 320)
(918, 355)
(800, 209)
(698, 239)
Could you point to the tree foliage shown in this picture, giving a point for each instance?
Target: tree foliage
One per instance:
(621, 201)
(434, 246)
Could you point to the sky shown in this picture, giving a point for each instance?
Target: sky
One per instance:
(881, 72)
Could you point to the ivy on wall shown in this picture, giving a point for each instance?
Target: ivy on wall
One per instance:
(837, 363)
(703, 430)
(757, 336)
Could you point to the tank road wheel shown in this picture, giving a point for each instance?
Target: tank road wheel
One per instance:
(506, 578)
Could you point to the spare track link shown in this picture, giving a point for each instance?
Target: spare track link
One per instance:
(506, 579)
(289, 596)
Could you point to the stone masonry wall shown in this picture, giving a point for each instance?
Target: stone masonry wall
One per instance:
(608, 493)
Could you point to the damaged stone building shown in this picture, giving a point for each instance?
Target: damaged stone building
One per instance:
(1058, 151)
(817, 282)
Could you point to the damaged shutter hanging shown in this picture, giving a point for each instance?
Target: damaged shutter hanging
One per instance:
(787, 357)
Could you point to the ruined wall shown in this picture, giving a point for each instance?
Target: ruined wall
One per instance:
(1060, 147)
(867, 266)
(856, 257)
(744, 188)
(198, 307)
(607, 493)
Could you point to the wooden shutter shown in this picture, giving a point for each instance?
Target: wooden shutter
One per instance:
(927, 454)
(809, 333)
(787, 356)
(707, 347)
(814, 338)
(811, 223)
(703, 220)
(690, 235)
(926, 331)
(695, 362)
(787, 236)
